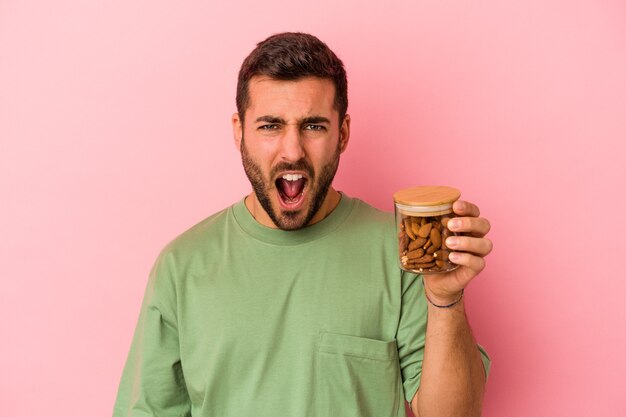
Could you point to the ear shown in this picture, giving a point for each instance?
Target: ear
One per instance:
(237, 130)
(344, 133)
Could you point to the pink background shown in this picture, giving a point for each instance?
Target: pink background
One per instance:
(115, 137)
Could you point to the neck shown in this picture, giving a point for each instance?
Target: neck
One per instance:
(330, 203)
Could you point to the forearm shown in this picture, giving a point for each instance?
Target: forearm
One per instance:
(453, 377)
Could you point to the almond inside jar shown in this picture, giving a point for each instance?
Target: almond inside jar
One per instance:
(421, 241)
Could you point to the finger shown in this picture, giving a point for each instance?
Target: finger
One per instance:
(478, 226)
(474, 264)
(477, 245)
(465, 208)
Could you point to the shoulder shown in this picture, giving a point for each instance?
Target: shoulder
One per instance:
(199, 238)
(371, 216)
(186, 253)
(366, 222)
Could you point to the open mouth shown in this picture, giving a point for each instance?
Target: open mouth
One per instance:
(291, 190)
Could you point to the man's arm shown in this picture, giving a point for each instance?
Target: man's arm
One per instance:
(453, 376)
(152, 382)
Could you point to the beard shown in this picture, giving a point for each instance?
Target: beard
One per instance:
(290, 220)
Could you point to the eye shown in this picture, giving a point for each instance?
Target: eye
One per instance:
(269, 126)
(314, 127)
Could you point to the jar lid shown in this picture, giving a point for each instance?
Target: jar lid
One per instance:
(428, 196)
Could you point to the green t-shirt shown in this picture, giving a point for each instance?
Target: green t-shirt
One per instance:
(241, 318)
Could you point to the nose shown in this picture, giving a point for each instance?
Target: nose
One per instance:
(291, 145)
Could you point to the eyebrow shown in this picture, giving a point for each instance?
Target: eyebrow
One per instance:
(315, 120)
(306, 120)
(270, 119)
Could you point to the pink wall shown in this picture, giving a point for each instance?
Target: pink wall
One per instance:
(115, 137)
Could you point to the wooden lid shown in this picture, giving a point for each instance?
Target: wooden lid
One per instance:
(427, 196)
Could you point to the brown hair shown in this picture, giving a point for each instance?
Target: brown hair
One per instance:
(290, 56)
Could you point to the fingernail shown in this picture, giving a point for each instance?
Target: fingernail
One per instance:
(454, 224)
(454, 256)
(452, 242)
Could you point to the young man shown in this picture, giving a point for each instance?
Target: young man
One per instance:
(290, 302)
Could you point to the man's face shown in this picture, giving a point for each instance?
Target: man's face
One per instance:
(290, 146)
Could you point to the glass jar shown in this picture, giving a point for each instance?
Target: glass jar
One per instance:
(422, 214)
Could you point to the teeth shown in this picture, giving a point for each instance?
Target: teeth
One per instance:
(292, 177)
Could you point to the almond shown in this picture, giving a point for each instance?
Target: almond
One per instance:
(415, 254)
(417, 243)
(424, 259)
(424, 230)
(403, 241)
(444, 221)
(445, 233)
(415, 227)
(407, 228)
(435, 238)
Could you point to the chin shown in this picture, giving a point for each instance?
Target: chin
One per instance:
(291, 220)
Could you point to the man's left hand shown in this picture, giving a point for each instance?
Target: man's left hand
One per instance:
(467, 251)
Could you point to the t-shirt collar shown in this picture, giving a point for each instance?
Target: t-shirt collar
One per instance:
(249, 225)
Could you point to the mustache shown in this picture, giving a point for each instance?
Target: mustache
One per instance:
(300, 165)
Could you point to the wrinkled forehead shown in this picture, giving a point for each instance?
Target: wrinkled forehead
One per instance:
(304, 97)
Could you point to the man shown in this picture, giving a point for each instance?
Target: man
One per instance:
(291, 301)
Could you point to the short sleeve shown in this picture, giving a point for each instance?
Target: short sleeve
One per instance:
(152, 382)
(411, 335)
